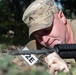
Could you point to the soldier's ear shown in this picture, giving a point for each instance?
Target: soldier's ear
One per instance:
(62, 17)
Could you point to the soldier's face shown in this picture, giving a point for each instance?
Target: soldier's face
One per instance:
(57, 33)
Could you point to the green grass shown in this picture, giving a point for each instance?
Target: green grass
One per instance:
(7, 67)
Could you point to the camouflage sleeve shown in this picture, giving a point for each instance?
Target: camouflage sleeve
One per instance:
(31, 45)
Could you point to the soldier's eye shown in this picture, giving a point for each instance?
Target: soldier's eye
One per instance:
(30, 18)
(45, 32)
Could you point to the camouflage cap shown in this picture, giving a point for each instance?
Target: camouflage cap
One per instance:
(40, 14)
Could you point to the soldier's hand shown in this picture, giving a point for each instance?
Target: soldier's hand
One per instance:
(55, 63)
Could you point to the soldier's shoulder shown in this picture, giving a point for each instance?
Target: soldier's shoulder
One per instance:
(31, 45)
(73, 22)
(73, 26)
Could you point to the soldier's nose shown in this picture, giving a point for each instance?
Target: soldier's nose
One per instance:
(45, 39)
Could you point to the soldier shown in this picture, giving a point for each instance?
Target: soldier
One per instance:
(50, 27)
